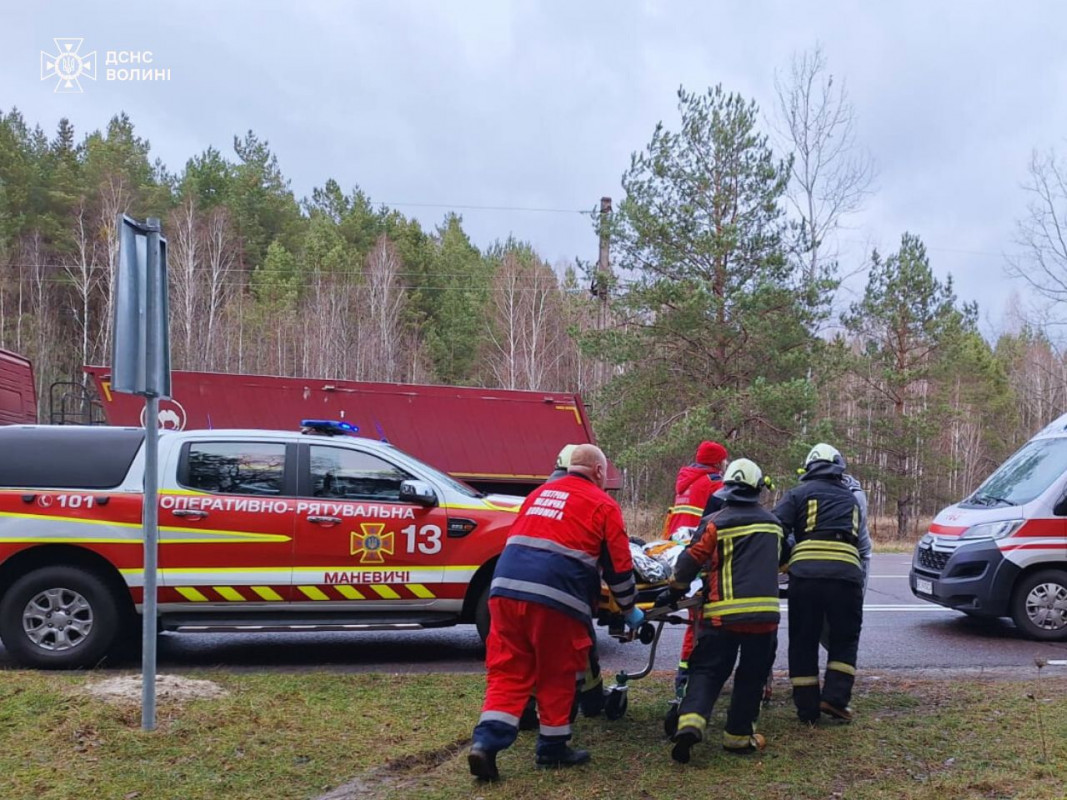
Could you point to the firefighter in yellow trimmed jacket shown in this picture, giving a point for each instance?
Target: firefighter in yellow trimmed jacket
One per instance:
(739, 545)
(821, 517)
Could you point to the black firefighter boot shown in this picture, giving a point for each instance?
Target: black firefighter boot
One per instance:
(482, 764)
(553, 751)
(684, 739)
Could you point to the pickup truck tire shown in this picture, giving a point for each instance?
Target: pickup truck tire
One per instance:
(58, 617)
(1039, 605)
(481, 614)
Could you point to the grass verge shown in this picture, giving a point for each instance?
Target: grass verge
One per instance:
(371, 736)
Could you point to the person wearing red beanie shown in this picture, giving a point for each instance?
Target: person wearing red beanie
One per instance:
(712, 454)
(694, 487)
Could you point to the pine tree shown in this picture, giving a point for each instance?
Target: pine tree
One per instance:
(717, 329)
(906, 321)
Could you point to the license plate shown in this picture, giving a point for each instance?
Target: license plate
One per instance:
(924, 587)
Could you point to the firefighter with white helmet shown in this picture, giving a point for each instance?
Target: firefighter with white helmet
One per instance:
(739, 545)
(822, 518)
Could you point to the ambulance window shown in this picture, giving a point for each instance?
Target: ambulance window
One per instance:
(256, 468)
(353, 475)
(1024, 476)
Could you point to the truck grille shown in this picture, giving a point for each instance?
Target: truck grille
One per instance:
(932, 560)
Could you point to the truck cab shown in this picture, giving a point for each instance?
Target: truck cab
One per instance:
(258, 530)
(1002, 551)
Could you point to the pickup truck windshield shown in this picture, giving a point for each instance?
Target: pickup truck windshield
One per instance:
(1024, 476)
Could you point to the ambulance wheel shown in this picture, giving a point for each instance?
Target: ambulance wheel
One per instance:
(481, 614)
(1039, 605)
(58, 618)
(670, 722)
(615, 705)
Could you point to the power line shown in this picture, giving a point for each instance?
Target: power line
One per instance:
(490, 208)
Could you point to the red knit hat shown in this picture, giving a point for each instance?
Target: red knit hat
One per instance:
(711, 454)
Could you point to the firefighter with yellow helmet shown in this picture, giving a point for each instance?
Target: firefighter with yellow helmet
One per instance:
(739, 545)
(822, 519)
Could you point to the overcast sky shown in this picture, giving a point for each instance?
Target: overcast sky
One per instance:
(523, 105)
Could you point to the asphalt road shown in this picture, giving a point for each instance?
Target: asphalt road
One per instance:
(900, 632)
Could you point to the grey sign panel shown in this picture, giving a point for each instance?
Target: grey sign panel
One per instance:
(140, 362)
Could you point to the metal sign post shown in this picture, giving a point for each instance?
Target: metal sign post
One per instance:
(141, 365)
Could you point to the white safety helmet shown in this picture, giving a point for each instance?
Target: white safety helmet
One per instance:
(563, 460)
(742, 481)
(744, 472)
(824, 452)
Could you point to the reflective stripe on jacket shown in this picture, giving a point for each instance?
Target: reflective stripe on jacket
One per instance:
(694, 486)
(821, 518)
(567, 533)
(740, 547)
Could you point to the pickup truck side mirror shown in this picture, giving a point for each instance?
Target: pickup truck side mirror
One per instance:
(417, 492)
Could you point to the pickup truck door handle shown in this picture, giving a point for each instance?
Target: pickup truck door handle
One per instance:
(325, 520)
(195, 513)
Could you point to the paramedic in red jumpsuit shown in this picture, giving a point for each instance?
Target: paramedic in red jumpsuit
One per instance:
(542, 600)
(694, 499)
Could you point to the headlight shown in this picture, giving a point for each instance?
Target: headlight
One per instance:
(993, 530)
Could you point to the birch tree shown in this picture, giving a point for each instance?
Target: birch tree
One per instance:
(384, 300)
(831, 174)
(184, 270)
(1041, 234)
(526, 339)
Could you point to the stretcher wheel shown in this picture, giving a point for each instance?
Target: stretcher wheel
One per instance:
(615, 705)
(670, 722)
(646, 634)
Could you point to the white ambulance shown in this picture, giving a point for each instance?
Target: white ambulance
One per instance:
(1002, 551)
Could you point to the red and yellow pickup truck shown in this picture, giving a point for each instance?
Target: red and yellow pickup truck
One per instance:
(258, 529)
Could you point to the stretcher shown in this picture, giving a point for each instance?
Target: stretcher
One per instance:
(617, 700)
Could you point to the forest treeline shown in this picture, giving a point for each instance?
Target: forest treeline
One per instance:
(723, 321)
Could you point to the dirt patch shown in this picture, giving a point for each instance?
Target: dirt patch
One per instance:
(173, 688)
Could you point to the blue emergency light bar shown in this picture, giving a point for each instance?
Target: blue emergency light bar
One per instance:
(328, 427)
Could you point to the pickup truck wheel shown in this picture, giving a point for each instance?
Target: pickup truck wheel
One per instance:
(1039, 605)
(481, 614)
(58, 618)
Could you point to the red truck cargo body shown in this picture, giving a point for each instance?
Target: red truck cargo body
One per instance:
(495, 439)
(18, 395)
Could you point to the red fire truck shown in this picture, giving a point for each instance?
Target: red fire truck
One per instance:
(496, 440)
(259, 529)
(18, 396)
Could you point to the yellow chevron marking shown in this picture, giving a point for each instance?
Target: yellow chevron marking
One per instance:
(313, 592)
(189, 593)
(385, 592)
(229, 593)
(349, 592)
(266, 593)
(419, 590)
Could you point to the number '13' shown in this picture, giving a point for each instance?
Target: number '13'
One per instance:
(426, 539)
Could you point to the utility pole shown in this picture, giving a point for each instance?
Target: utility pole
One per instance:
(603, 280)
